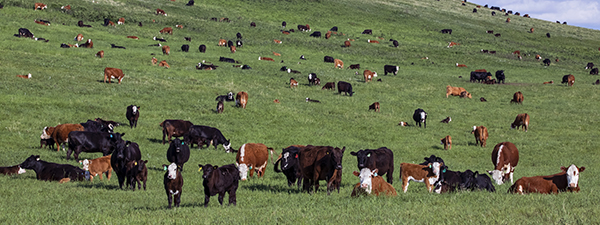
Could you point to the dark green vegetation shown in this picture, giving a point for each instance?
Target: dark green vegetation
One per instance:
(66, 87)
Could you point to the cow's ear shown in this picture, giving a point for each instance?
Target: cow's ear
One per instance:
(581, 169)
(563, 169)
(343, 149)
(215, 167)
(490, 172)
(356, 173)
(353, 153)
(375, 172)
(123, 134)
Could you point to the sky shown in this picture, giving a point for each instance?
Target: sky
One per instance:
(581, 13)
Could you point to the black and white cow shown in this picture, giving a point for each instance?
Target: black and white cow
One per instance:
(132, 115)
(48, 171)
(178, 152)
(229, 60)
(420, 116)
(446, 31)
(202, 135)
(312, 79)
(390, 69)
(588, 66)
(227, 98)
(85, 141)
(344, 87)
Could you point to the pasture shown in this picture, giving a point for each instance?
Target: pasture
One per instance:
(66, 87)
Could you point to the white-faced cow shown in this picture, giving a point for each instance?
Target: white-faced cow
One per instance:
(173, 182)
(253, 157)
(372, 184)
(12, 170)
(391, 69)
(132, 115)
(505, 158)
(420, 116)
(567, 180)
(427, 174)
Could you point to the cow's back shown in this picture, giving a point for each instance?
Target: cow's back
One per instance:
(379, 186)
(252, 154)
(61, 131)
(508, 154)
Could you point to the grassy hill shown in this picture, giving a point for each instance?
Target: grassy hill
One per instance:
(66, 87)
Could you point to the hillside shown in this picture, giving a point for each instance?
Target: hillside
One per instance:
(67, 87)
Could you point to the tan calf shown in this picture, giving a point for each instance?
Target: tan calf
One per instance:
(521, 120)
(97, 167)
(517, 98)
(338, 63)
(427, 174)
(447, 142)
(456, 91)
(481, 135)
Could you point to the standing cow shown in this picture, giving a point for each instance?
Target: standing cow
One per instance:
(60, 133)
(505, 158)
(173, 182)
(205, 135)
(344, 87)
(124, 153)
(290, 166)
(253, 157)
(218, 180)
(420, 116)
(320, 163)
(391, 69)
(521, 120)
(85, 141)
(132, 115)
(175, 128)
(241, 99)
(481, 135)
(381, 159)
(178, 153)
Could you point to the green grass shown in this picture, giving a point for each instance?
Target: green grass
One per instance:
(66, 88)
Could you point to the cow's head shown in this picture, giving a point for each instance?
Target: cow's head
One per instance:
(47, 133)
(500, 176)
(30, 162)
(336, 156)
(177, 144)
(289, 157)
(474, 129)
(227, 146)
(437, 167)
(366, 176)
(432, 159)
(171, 170)
(207, 169)
(573, 175)
(362, 156)
(21, 170)
(85, 163)
(135, 109)
(243, 168)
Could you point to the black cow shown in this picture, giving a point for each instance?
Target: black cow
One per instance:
(136, 172)
(238, 43)
(594, 71)
(108, 123)
(493, 13)
(175, 128)
(238, 35)
(47, 142)
(178, 152)
(173, 182)
(475, 181)
(448, 181)
(202, 48)
(283, 24)
(185, 48)
(302, 28)
(367, 31)
(85, 141)
(316, 34)
(229, 60)
(229, 43)
(548, 35)
(420, 116)
(395, 43)
(132, 115)
(500, 76)
(227, 98)
(289, 165)
(246, 67)
(80, 24)
(495, 8)
(94, 126)
(474, 10)
(312, 79)
(24, 32)
(321, 163)
(546, 62)
(125, 152)
(116, 46)
(106, 22)
(479, 76)
(218, 180)
(381, 159)
(344, 87)
(328, 59)
(334, 29)
(190, 3)
(589, 66)
(446, 31)
(432, 159)
(390, 69)
(48, 171)
(202, 135)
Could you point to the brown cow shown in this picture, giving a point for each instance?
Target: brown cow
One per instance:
(28, 76)
(347, 43)
(66, 7)
(241, 99)
(521, 120)
(166, 49)
(266, 59)
(79, 37)
(320, 163)
(164, 63)
(517, 98)
(222, 42)
(447, 142)
(41, 23)
(531, 30)
(428, 174)
(461, 65)
(60, 133)
(232, 49)
(338, 63)
(113, 73)
(374, 106)
(121, 21)
(569, 79)
(452, 44)
(549, 82)
(87, 44)
(567, 180)
(133, 37)
(517, 52)
(456, 91)
(372, 41)
(173, 183)
(508, 20)
(39, 6)
(293, 83)
(100, 54)
(329, 86)
(161, 12)
(168, 30)
(277, 41)
(12, 170)
(136, 172)
(154, 61)
(370, 183)
(97, 166)
(175, 128)
(369, 75)
(253, 157)
(505, 158)
(481, 135)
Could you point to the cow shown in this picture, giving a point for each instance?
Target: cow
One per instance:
(80, 24)
(190, 3)
(92, 125)
(79, 37)
(420, 116)
(347, 44)
(28, 76)
(173, 183)
(546, 62)
(372, 41)
(481, 135)
(329, 86)
(89, 141)
(88, 44)
(505, 158)
(508, 20)
(479, 76)
(220, 107)
(517, 98)
(60, 133)
(97, 166)
(316, 34)
(202, 135)
(178, 152)
(121, 21)
(253, 157)
(313, 79)
(229, 60)
(241, 99)
(277, 41)
(175, 128)
(132, 114)
(125, 151)
(110, 73)
(590, 65)
(304, 27)
(293, 83)
(320, 163)
(447, 120)
(47, 142)
(136, 172)
(228, 97)
(202, 48)
(456, 91)
(461, 65)
(548, 35)
(517, 52)
(367, 31)
(12, 170)
(549, 82)
(403, 124)
(168, 30)
(428, 174)
(498, 34)
(538, 57)
(594, 71)
(66, 7)
(354, 66)
(232, 49)
(381, 159)
(290, 165)
(447, 142)
(116, 46)
(40, 6)
(164, 63)
(371, 183)
(100, 54)
(446, 31)
(218, 180)
(391, 69)
(48, 171)
(328, 59)
(489, 31)
(328, 35)
(452, 44)
(345, 87)
(185, 48)
(160, 12)
(338, 63)
(374, 106)
(521, 120)
(202, 66)
(500, 76)
(369, 75)
(475, 181)
(493, 13)
(24, 32)
(566, 180)
(166, 49)
(266, 59)
(395, 43)
(474, 10)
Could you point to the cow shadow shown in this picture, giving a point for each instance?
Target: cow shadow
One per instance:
(271, 188)
(438, 147)
(102, 81)
(154, 140)
(99, 185)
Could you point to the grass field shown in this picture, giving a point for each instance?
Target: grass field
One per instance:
(66, 87)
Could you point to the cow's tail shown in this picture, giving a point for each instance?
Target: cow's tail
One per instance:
(271, 150)
(276, 165)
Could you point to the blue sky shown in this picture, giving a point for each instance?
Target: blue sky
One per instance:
(581, 13)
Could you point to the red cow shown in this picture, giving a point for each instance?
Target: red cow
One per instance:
(113, 73)
(567, 180)
(253, 157)
(370, 183)
(60, 133)
(505, 158)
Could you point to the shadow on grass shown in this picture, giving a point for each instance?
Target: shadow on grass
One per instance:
(272, 188)
(154, 140)
(438, 147)
(99, 185)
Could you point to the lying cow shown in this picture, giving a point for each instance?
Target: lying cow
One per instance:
(48, 171)
(456, 91)
(12, 170)
(218, 180)
(567, 180)
(372, 183)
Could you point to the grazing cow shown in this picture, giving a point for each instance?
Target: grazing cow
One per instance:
(328, 35)
(481, 135)
(521, 120)
(238, 43)
(178, 153)
(253, 157)
(594, 71)
(80, 24)
(371, 183)
(110, 73)
(60, 133)
(498, 35)
(228, 97)
(338, 63)
(500, 76)
(490, 31)
(526, 15)
(321, 163)
(367, 31)
(164, 63)
(12, 170)
(354, 66)
(185, 48)
(548, 35)
(79, 37)
(446, 31)
(160, 12)
(229, 43)
(116, 46)
(316, 34)
(428, 174)
(304, 27)
(175, 128)
(447, 120)
(40, 6)
(294, 83)
(166, 49)
(218, 180)
(590, 65)
(461, 65)
(369, 75)
(374, 106)
(508, 20)
(381, 159)
(132, 114)
(136, 172)
(329, 86)
(505, 158)
(232, 49)
(173, 182)
(479, 76)
(48, 171)
(456, 91)
(346, 44)
(395, 43)
(277, 41)
(447, 142)
(549, 82)
(28, 76)
(121, 21)
(266, 59)
(125, 152)
(482, 99)
(97, 166)
(154, 61)
(420, 116)
(345, 87)
(168, 30)
(241, 99)
(569, 79)
(202, 48)
(452, 44)
(474, 10)
(187, 39)
(47, 142)
(290, 165)
(517, 98)
(90, 141)
(313, 79)
(372, 41)
(547, 62)
(391, 69)
(100, 54)
(190, 3)
(567, 180)
(87, 44)
(328, 59)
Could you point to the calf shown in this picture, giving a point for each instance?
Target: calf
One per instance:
(367, 31)
(293, 83)
(481, 135)
(40, 6)
(452, 44)
(60, 133)
(447, 142)
(420, 116)
(391, 69)
(567, 180)
(100, 54)
(371, 183)
(505, 158)
(446, 31)
(447, 120)
(110, 73)
(232, 49)
(175, 128)
(253, 157)
(381, 159)
(97, 166)
(121, 21)
(517, 98)
(290, 165)
(160, 12)
(228, 97)
(428, 174)
(136, 172)
(218, 180)
(321, 163)
(456, 91)
(547, 62)
(569, 79)
(328, 59)
(132, 114)
(88, 141)
(313, 79)
(164, 63)
(173, 182)
(125, 151)
(329, 86)
(12, 170)
(266, 59)
(202, 48)
(185, 48)
(47, 142)
(202, 135)
(166, 49)
(590, 65)
(220, 107)
(48, 171)
(500, 76)
(241, 99)
(478, 181)
(521, 120)
(178, 153)
(345, 87)
(369, 75)
(374, 106)
(354, 66)
(168, 30)
(338, 63)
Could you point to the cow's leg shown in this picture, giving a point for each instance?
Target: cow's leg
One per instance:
(170, 199)
(206, 200)
(121, 178)
(108, 174)
(164, 134)
(221, 196)
(144, 184)
(69, 152)
(232, 197)
(251, 170)
(177, 199)
(404, 185)
(390, 179)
